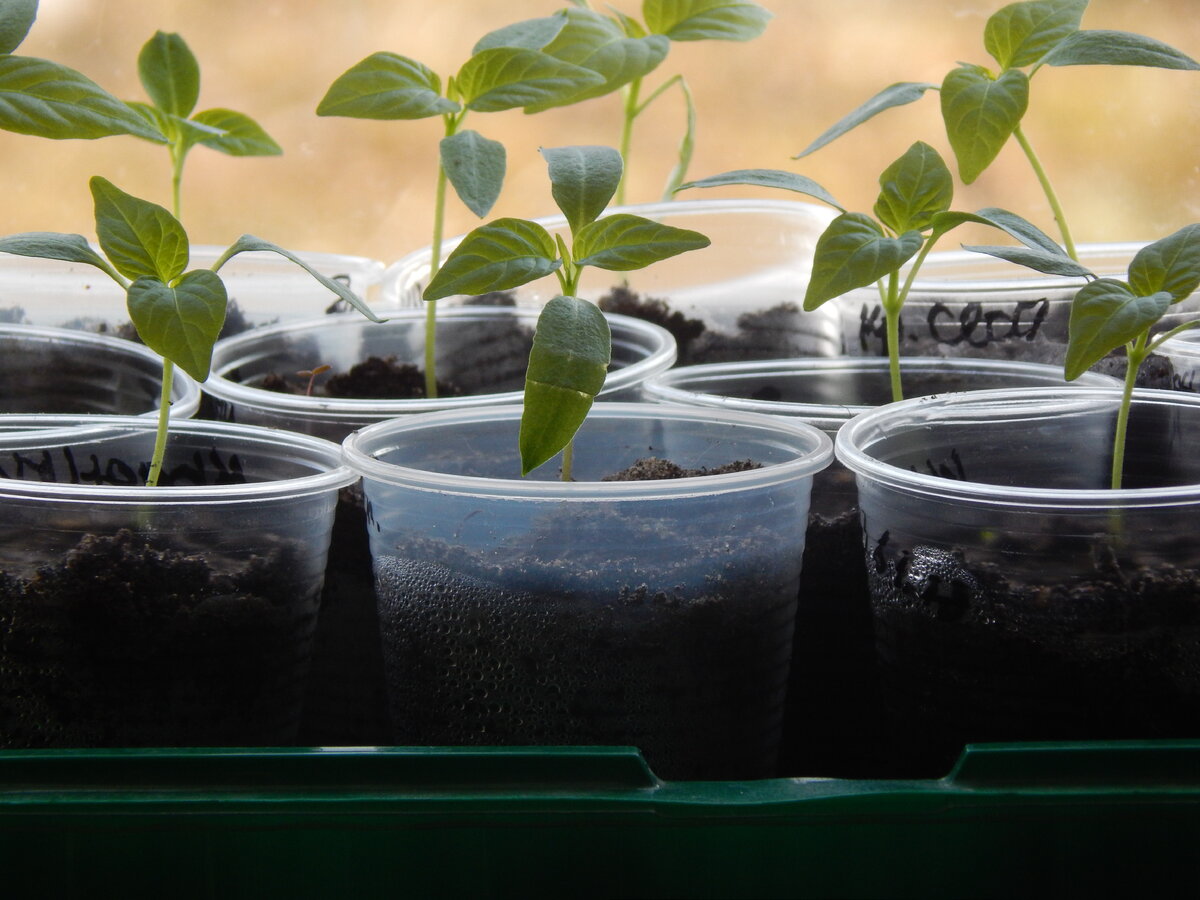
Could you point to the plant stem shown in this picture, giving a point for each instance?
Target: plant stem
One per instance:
(568, 460)
(1060, 217)
(891, 315)
(631, 91)
(439, 224)
(160, 435)
(1135, 353)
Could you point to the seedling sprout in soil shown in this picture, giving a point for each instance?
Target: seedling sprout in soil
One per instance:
(572, 345)
(982, 108)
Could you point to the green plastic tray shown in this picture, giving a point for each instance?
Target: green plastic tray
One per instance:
(1040, 819)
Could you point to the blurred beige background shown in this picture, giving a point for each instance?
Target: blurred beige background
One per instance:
(1124, 144)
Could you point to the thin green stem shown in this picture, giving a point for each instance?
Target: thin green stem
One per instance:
(891, 314)
(177, 157)
(1060, 217)
(568, 460)
(160, 435)
(1135, 353)
(435, 262)
(631, 92)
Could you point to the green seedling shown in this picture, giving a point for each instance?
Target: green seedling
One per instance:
(45, 99)
(572, 345)
(912, 213)
(982, 108)
(177, 313)
(495, 77)
(623, 51)
(170, 75)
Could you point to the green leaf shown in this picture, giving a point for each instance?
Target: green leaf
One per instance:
(497, 256)
(1171, 264)
(181, 322)
(16, 18)
(512, 77)
(854, 252)
(583, 181)
(1037, 259)
(475, 166)
(899, 94)
(186, 132)
(1106, 314)
(47, 100)
(1022, 229)
(386, 86)
(170, 74)
(242, 135)
(248, 242)
(914, 188)
(598, 43)
(705, 20)
(67, 247)
(770, 178)
(140, 238)
(623, 242)
(532, 34)
(1118, 48)
(1022, 33)
(981, 114)
(571, 350)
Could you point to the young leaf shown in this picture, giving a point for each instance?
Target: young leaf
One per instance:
(16, 18)
(386, 86)
(497, 256)
(67, 247)
(1106, 314)
(623, 242)
(1118, 48)
(47, 100)
(170, 74)
(981, 114)
(511, 77)
(180, 322)
(532, 34)
(248, 242)
(1171, 264)
(687, 145)
(140, 238)
(914, 188)
(705, 20)
(475, 166)
(1022, 229)
(240, 135)
(1022, 33)
(771, 178)
(1037, 259)
(854, 252)
(567, 365)
(899, 94)
(583, 181)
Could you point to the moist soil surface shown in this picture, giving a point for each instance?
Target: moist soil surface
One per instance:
(123, 645)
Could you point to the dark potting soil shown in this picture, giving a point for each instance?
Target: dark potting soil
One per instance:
(124, 645)
(970, 655)
(375, 378)
(553, 641)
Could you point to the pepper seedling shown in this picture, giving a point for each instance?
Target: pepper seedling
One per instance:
(572, 345)
(982, 108)
(178, 314)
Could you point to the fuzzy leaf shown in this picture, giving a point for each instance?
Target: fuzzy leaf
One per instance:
(583, 181)
(497, 256)
(1106, 314)
(248, 242)
(181, 322)
(475, 167)
(242, 136)
(771, 178)
(532, 34)
(386, 86)
(705, 20)
(623, 242)
(1022, 33)
(571, 350)
(981, 114)
(67, 247)
(16, 18)
(512, 77)
(1171, 264)
(140, 238)
(854, 252)
(914, 188)
(899, 94)
(1118, 48)
(1037, 259)
(170, 74)
(47, 100)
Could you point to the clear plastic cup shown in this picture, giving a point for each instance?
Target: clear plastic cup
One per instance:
(1182, 355)
(1015, 596)
(178, 615)
(535, 611)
